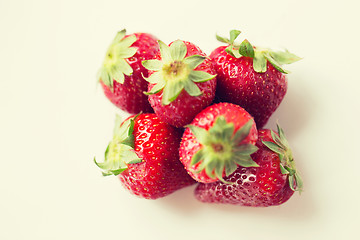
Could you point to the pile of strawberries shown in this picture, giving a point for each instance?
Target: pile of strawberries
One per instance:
(198, 119)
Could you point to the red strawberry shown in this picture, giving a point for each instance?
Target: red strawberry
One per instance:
(246, 78)
(219, 139)
(122, 74)
(182, 82)
(272, 183)
(144, 154)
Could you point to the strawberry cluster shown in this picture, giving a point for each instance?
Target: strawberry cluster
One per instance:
(198, 119)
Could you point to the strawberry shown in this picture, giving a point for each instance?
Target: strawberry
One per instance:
(218, 140)
(144, 154)
(251, 77)
(272, 183)
(122, 74)
(182, 82)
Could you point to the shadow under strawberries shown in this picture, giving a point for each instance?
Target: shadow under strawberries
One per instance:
(295, 111)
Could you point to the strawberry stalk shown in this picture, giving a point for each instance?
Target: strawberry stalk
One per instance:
(175, 72)
(120, 151)
(115, 66)
(259, 55)
(222, 151)
(287, 163)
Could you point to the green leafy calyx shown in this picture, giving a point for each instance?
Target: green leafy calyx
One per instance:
(221, 149)
(287, 163)
(115, 65)
(259, 55)
(175, 72)
(120, 151)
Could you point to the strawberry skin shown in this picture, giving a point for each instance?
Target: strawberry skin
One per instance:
(128, 94)
(156, 171)
(259, 93)
(160, 172)
(261, 186)
(251, 77)
(211, 134)
(184, 101)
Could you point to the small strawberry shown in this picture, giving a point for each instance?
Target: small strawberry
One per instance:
(144, 154)
(122, 74)
(182, 82)
(218, 140)
(251, 77)
(272, 183)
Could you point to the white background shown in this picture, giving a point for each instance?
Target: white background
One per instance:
(55, 119)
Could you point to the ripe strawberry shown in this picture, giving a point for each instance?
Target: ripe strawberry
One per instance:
(122, 74)
(272, 183)
(182, 82)
(219, 139)
(246, 78)
(144, 154)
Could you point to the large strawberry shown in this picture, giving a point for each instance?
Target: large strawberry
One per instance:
(182, 82)
(144, 154)
(122, 74)
(251, 77)
(218, 140)
(272, 183)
